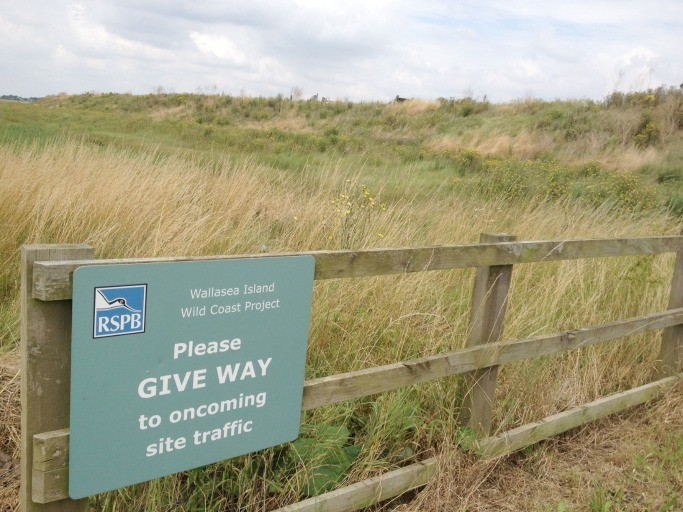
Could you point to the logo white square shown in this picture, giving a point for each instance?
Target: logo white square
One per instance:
(119, 310)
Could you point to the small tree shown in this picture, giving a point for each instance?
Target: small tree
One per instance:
(297, 93)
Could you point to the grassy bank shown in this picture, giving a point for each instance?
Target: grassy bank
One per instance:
(594, 146)
(138, 177)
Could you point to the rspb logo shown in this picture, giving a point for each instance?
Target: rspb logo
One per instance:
(119, 310)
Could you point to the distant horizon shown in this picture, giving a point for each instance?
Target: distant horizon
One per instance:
(170, 91)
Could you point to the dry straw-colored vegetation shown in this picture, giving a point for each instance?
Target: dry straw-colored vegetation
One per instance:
(135, 202)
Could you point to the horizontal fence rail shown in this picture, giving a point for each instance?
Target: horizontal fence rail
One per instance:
(345, 386)
(370, 491)
(52, 280)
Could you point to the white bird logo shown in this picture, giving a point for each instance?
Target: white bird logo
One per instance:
(102, 304)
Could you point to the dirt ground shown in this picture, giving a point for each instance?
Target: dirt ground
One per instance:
(632, 461)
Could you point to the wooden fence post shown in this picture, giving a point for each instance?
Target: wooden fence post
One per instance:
(45, 369)
(669, 360)
(489, 304)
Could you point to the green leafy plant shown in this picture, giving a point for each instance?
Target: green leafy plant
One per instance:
(605, 500)
(466, 438)
(318, 460)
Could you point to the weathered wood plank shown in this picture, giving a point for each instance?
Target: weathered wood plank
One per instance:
(489, 305)
(346, 386)
(671, 348)
(53, 281)
(45, 375)
(373, 490)
(51, 450)
(49, 487)
(51, 466)
(526, 435)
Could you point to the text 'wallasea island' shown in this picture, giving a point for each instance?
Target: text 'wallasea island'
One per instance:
(225, 308)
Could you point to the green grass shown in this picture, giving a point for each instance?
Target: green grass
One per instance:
(223, 175)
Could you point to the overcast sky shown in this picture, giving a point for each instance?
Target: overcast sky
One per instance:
(355, 49)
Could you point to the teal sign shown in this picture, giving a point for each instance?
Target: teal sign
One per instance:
(178, 365)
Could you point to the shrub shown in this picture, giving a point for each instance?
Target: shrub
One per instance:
(590, 170)
(469, 159)
(464, 107)
(622, 191)
(643, 99)
(648, 134)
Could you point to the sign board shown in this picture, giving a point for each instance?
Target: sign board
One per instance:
(178, 365)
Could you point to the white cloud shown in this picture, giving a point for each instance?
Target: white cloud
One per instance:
(636, 55)
(64, 57)
(91, 36)
(13, 31)
(593, 12)
(219, 46)
(526, 68)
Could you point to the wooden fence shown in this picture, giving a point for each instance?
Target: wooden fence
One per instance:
(47, 273)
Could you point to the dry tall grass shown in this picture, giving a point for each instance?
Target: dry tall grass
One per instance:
(133, 205)
(413, 107)
(529, 145)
